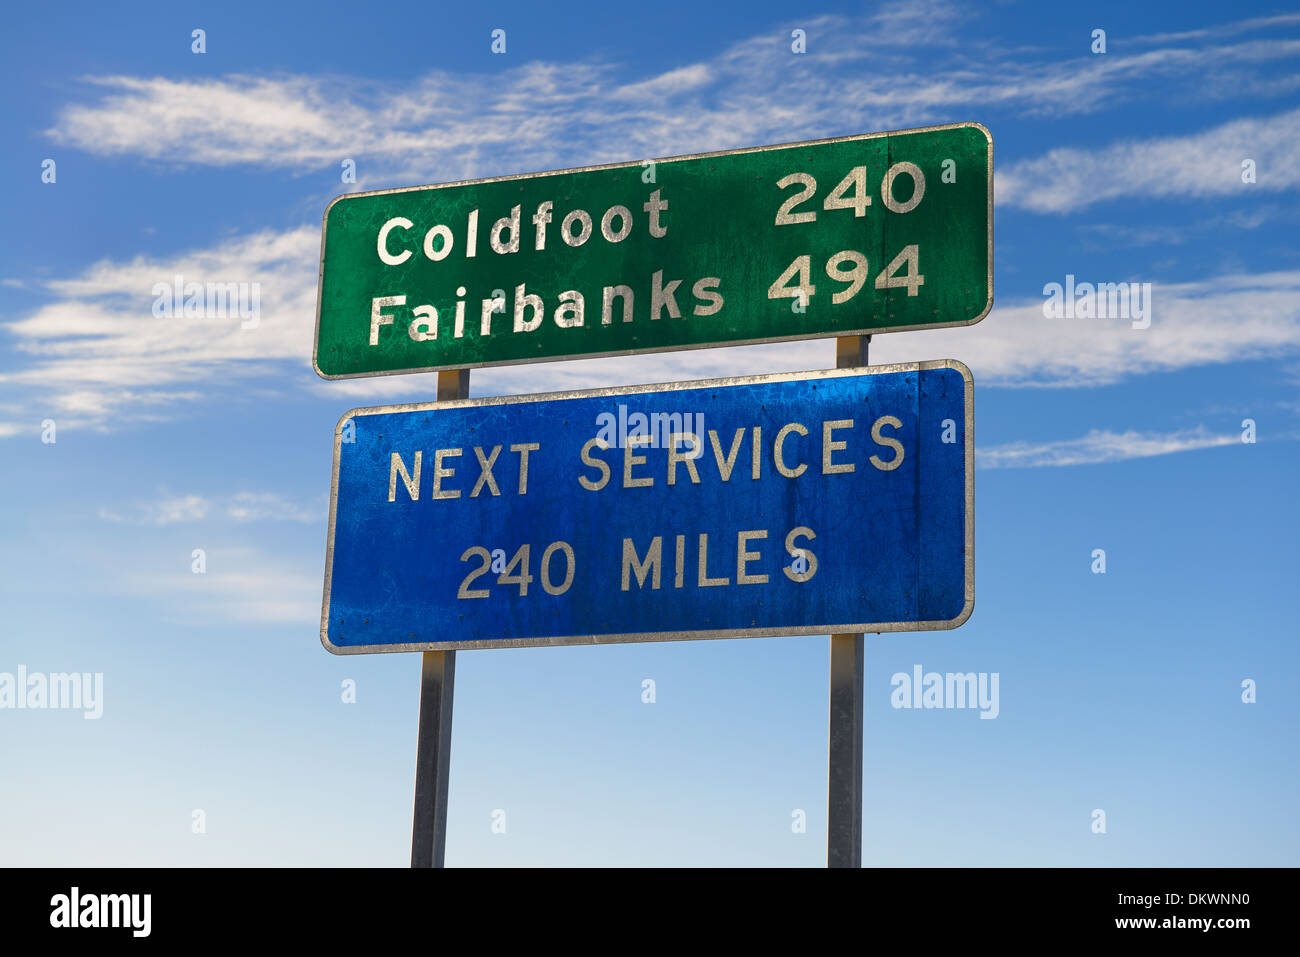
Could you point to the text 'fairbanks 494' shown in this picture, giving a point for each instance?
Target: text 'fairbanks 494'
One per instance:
(855, 235)
(789, 504)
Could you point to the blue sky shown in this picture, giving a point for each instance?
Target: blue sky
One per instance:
(1120, 692)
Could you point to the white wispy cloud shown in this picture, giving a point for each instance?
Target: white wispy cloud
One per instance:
(1218, 31)
(1099, 446)
(95, 356)
(1202, 164)
(162, 511)
(267, 506)
(99, 358)
(239, 584)
(1160, 234)
(241, 507)
(448, 125)
(1229, 318)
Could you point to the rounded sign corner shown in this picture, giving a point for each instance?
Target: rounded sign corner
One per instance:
(972, 124)
(329, 646)
(345, 418)
(327, 376)
(325, 217)
(988, 307)
(961, 368)
(963, 616)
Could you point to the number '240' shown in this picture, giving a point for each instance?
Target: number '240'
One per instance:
(522, 577)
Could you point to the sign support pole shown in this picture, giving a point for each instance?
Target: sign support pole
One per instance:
(433, 747)
(844, 758)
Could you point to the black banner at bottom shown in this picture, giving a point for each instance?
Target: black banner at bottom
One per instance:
(336, 907)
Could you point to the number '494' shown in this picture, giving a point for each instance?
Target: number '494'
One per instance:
(850, 268)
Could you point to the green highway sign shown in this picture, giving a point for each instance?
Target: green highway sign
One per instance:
(846, 236)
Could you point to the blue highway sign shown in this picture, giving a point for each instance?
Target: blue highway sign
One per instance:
(839, 501)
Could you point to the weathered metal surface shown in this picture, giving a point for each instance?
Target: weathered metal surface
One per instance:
(854, 235)
(435, 562)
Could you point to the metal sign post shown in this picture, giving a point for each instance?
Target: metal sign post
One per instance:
(844, 752)
(433, 748)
